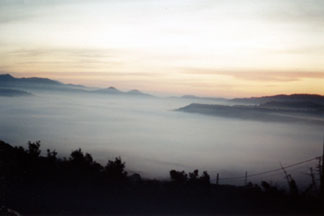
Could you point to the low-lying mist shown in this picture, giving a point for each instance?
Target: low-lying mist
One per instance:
(153, 138)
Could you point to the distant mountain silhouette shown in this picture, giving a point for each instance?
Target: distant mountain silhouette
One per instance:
(115, 91)
(293, 97)
(110, 90)
(136, 92)
(194, 97)
(271, 111)
(294, 105)
(269, 108)
(34, 83)
(13, 93)
(7, 79)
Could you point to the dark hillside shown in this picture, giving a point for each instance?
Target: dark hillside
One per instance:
(35, 184)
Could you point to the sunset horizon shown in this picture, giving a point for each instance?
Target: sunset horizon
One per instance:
(161, 107)
(164, 94)
(208, 48)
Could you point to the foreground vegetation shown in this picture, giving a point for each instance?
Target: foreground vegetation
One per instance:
(35, 183)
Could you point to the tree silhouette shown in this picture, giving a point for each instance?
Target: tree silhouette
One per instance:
(36, 184)
(81, 164)
(205, 178)
(34, 149)
(178, 177)
(115, 170)
(51, 155)
(193, 176)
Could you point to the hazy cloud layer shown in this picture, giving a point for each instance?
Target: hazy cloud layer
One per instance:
(257, 75)
(141, 41)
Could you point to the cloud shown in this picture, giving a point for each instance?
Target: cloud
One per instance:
(63, 57)
(310, 12)
(11, 18)
(260, 75)
(90, 53)
(303, 50)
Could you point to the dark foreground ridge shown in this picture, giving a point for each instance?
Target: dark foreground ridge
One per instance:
(34, 184)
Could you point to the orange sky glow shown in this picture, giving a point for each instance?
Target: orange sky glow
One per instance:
(202, 47)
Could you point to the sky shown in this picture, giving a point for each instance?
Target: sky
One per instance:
(227, 48)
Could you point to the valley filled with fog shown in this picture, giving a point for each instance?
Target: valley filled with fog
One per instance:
(152, 138)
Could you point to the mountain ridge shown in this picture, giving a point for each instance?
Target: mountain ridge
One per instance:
(26, 83)
(36, 83)
(258, 113)
(281, 97)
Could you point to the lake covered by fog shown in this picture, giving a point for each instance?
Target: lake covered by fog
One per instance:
(152, 138)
